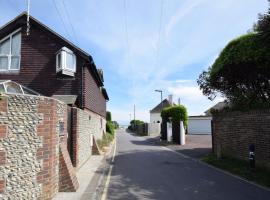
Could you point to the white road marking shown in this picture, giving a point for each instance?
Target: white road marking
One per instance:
(105, 191)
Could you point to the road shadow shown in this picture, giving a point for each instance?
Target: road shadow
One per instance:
(152, 174)
(189, 149)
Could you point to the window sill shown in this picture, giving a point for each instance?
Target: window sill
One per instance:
(66, 72)
(10, 72)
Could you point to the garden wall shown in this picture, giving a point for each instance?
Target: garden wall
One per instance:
(154, 129)
(87, 128)
(233, 132)
(33, 137)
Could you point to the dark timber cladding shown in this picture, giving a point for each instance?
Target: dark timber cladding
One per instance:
(94, 99)
(38, 66)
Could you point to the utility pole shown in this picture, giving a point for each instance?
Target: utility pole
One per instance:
(134, 117)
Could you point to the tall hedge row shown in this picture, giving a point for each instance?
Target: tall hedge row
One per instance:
(176, 114)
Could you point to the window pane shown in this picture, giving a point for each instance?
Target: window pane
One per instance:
(3, 63)
(2, 89)
(15, 62)
(4, 47)
(16, 44)
(70, 61)
(13, 87)
(58, 61)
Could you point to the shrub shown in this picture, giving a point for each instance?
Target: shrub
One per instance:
(176, 113)
(105, 141)
(134, 123)
(241, 73)
(110, 127)
(263, 24)
(109, 116)
(116, 125)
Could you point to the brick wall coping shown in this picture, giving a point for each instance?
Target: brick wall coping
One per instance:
(237, 113)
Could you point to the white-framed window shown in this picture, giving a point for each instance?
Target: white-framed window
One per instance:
(65, 60)
(10, 52)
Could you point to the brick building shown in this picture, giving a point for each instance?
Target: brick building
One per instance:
(72, 113)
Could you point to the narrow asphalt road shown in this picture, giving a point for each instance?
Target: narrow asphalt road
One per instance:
(142, 170)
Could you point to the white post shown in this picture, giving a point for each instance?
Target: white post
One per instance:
(91, 140)
(169, 131)
(182, 134)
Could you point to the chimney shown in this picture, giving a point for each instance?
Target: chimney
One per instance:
(170, 99)
(179, 102)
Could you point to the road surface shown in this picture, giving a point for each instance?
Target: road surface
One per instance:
(142, 170)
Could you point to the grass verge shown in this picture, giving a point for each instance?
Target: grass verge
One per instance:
(105, 141)
(240, 168)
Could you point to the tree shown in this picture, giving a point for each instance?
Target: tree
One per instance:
(263, 24)
(108, 116)
(134, 123)
(116, 125)
(241, 73)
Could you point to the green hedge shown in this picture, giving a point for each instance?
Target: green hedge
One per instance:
(241, 73)
(134, 123)
(108, 116)
(110, 127)
(176, 113)
(250, 48)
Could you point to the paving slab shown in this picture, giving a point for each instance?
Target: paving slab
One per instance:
(84, 175)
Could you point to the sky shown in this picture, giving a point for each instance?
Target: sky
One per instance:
(144, 45)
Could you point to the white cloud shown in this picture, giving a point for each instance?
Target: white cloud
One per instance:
(182, 81)
(190, 93)
(180, 14)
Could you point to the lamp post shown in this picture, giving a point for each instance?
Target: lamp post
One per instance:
(160, 97)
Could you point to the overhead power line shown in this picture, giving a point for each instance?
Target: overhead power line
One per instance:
(61, 18)
(159, 30)
(126, 26)
(69, 20)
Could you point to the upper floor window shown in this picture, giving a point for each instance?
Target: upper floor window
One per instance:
(10, 52)
(66, 61)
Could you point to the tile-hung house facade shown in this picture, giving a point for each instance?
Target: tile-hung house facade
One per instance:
(49, 64)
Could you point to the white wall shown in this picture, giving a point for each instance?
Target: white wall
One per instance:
(154, 128)
(199, 125)
(154, 117)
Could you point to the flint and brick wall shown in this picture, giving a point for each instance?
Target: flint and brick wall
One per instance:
(233, 132)
(85, 124)
(29, 147)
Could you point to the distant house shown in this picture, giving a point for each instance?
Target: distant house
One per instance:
(201, 124)
(218, 106)
(51, 65)
(156, 111)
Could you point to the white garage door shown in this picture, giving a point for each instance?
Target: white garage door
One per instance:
(199, 126)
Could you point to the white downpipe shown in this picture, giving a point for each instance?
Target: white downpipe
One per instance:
(182, 134)
(169, 132)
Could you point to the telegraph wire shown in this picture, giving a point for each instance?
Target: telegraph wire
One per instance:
(69, 20)
(126, 26)
(61, 18)
(159, 31)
